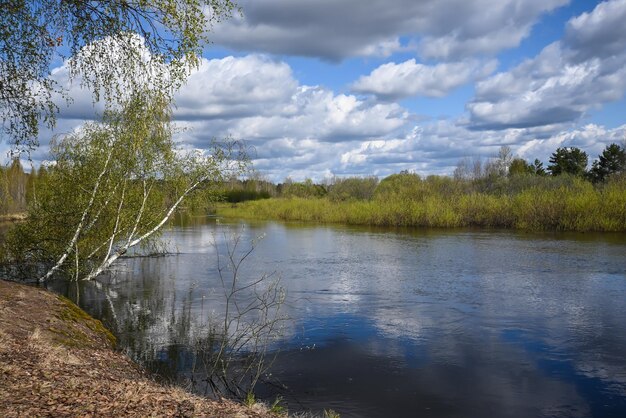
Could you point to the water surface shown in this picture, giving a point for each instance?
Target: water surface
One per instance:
(397, 322)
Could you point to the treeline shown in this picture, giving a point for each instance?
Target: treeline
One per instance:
(235, 190)
(18, 188)
(503, 192)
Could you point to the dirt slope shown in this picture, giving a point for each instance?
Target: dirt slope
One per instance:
(57, 361)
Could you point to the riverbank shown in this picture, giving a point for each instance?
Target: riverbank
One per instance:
(55, 360)
(578, 207)
(521, 202)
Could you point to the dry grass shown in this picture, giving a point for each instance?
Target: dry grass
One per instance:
(559, 203)
(13, 217)
(55, 361)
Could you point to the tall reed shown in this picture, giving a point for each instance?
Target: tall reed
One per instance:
(530, 203)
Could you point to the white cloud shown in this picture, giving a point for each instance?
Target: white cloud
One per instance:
(309, 131)
(563, 82)
(599, 33)
(81, 104)
(80, 87)
(334, 30)
(293, 128)
(393, 81)
(235, 87)
(482, 26)
(431, 148)
(256, 99)
(590, 138)
(436, 147)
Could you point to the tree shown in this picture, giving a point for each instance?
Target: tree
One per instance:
(463, 171)
(31, 185)
(16, 183)
(113, 186)
(6, 202)
(306, 189)
(468, 169)
(113, 44)
(538, 168)
(235, 353)
(520, 167)
(352, 188)
(499, 166)
(401, 186)
(570, 160)
(611, 161)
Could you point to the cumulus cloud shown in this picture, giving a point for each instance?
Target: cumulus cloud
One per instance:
(335, 30)
(235, 87)
(481, 27)
(590, 138)
(429, 148)
(81, 104)
(303, 131)
(598, 34)
(393, 81)
(142, 70)
(292, 128)
(564, 81)
(257, 99)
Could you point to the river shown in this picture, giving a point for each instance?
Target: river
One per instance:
(393, 323)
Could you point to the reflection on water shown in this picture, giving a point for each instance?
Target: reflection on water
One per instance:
(398, 323)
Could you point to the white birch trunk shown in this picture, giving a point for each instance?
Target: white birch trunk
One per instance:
(132, 242)
(79, 228)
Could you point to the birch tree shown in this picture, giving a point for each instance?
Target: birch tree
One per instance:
(36, 33)
(113, 186)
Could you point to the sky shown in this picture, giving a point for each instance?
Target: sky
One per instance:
(323, 88)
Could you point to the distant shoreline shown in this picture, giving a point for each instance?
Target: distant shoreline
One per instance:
(587, 211)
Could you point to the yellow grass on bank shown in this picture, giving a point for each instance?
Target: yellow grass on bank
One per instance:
(550, 204)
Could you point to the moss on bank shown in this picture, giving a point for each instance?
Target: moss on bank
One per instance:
(73, 336)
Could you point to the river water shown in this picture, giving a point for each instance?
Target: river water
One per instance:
(394, 323)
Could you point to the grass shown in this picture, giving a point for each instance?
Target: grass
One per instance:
(250, 400)
(277, 408)
(564, 204)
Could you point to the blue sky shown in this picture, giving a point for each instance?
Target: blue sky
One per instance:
(323, 88)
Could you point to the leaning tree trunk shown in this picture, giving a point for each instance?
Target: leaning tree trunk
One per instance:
(72, 244)
(131, 242)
